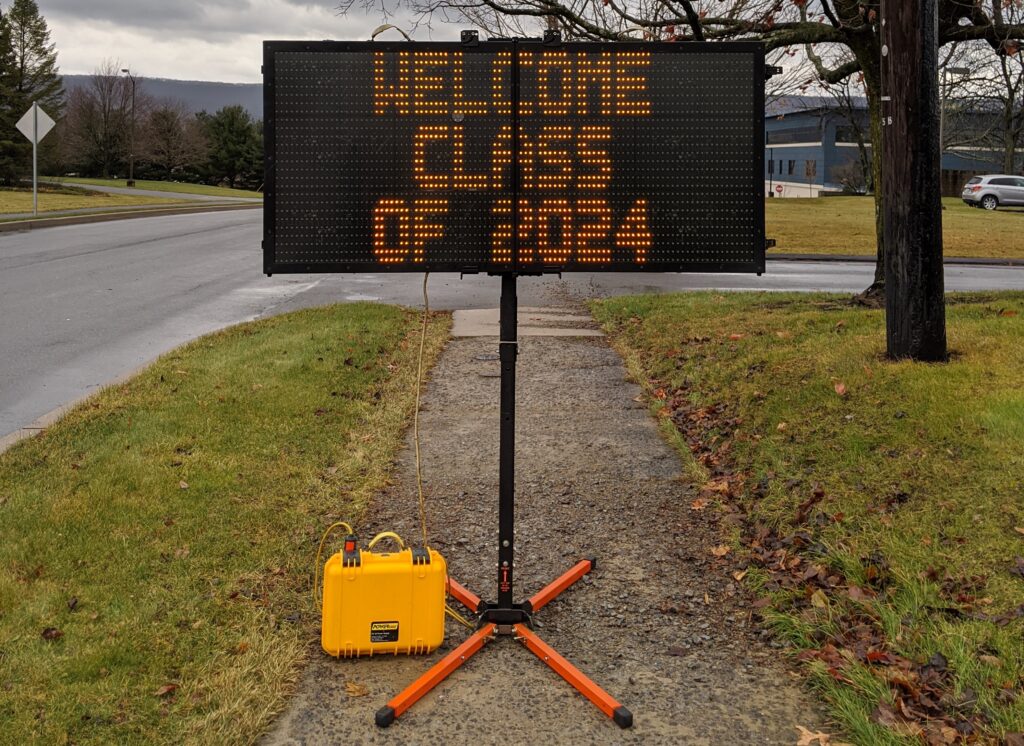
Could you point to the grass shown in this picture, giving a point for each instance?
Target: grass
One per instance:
(167, 528)
(14, 201)
(920, 468)
(845, 225)
(163, 186)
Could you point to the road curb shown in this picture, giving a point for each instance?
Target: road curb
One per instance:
(871, 260)
(15, 226)
(44, 421)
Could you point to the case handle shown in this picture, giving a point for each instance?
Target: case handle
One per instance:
(386, 535)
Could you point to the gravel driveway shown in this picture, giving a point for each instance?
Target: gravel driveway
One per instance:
(660, 623)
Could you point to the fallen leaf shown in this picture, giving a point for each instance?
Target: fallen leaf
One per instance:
(781, 427)
(783, 334)
(182, 553)
(819, 599)
(52, 633)
(840, 388)
(736, 337)
(183, 485)
(165, 690)
(1007, 312)
(721, 486)
(1019, 530)
(72, 603)
(858, 594)
(721, 550)
(739, 575)
(699, 504)
(353, 689)
(808, 737)
(990, 660)
(883, 714)
(242, 647)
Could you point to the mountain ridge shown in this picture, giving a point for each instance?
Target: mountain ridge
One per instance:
(197, 95)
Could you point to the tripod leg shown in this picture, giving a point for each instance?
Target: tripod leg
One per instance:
(552, 590)
(604, 701)
(439, 672)
(463, 595)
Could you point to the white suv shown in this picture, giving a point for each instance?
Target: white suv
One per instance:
(990, 192)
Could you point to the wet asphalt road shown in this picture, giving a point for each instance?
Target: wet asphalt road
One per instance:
(82, 305)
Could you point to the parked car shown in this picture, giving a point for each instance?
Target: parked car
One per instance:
(996, 190)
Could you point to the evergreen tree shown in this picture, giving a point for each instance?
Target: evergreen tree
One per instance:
(14, 148)
(36, 76)
(236, 147)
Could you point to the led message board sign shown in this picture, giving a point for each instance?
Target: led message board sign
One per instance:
(513, 156)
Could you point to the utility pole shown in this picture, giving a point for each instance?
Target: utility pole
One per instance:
(915, 311)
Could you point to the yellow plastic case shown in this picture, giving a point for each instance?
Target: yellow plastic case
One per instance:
(383, 603)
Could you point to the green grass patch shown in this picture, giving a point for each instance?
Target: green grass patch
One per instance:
(163, 186)
(846, 225)
(16, 201)
(158, 541)
(921, 468)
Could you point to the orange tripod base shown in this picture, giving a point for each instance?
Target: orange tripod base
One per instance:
(475, 642)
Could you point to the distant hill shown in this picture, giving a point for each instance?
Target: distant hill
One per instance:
(198, 95)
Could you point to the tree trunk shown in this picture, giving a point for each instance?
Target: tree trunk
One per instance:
(912, 205)
(866, 52)
(875, 116)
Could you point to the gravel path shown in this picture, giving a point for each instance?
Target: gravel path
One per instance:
(660, 623)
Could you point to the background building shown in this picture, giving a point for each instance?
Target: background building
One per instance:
(818, 145)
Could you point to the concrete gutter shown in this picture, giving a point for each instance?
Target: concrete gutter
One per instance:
(37, 223)
(870, 259)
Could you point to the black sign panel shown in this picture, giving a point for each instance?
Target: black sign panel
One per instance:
(514, 156)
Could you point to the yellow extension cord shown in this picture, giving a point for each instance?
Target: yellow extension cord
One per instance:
(317, 600)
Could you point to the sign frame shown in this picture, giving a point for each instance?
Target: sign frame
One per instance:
(272, 265)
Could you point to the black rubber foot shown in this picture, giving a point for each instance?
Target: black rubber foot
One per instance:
(593, 563)
(386, 716)
(622, 717)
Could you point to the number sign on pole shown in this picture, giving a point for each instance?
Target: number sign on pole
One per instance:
(521, 156)
(35, 124)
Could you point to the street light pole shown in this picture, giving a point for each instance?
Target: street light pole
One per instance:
(131, 146)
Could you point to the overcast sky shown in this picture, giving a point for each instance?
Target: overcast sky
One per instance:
(195, 39)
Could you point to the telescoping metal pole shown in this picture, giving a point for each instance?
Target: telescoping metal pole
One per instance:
(507, 351)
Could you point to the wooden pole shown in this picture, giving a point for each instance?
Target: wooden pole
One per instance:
(915, 317)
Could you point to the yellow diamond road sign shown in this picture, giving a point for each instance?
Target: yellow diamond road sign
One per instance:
(36, 124)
